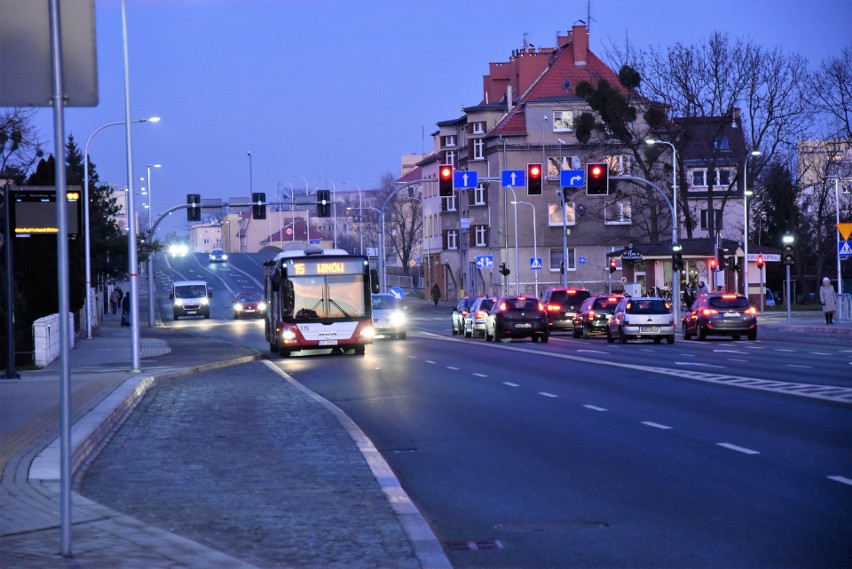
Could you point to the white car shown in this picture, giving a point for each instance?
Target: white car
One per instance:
(641, 317)
(388, 316)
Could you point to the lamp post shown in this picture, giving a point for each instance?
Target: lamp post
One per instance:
(333, 210)
(746, 194)
(151, 240)
(517, 258)
(86, 231)
(360, 204)
(788, 239)
(675, 234)
(535, 245)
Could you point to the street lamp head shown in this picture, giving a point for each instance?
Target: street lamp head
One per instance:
(756, 153)
(787, 239)
(153, 165)
(151, 119)
(651, 141)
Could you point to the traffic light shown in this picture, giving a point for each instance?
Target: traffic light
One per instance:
(677, 261)
(760, 262)
(503, 270)
(787, 256)
(713, 264)
(323, 203)
(445, 181)
(612, 265)
(534, 179)
(731, 263)
(258, 206)
(597, 179)
(193, 212)
(720, 259)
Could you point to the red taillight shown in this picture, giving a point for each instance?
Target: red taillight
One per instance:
(503, 307)
(540, 307)
(709, 312)
(590, 315)
(612, 299)
(465, 312)
(480, 314)
(751, 310)
(553, 308)
(729, 296)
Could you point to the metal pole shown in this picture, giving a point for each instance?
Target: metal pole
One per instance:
(151, 241)
(760, 270)
(564, 276)
(133, 263)
(517, 258)
(10, 287)
(837, 226)
(787, 294)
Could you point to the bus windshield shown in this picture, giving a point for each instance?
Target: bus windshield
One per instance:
(337, 296)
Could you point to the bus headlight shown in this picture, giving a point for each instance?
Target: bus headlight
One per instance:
(368, 332)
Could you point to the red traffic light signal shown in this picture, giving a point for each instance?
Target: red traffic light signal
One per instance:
(612, 265)
(533, 179)
(597, 179)
(445, 181)
(760, 261)
(714, 266)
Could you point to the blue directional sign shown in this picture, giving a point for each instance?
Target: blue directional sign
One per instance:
(462, 179)
(484, 261)
(513, 178)
(397, 292)
(535, 263)
(572, 178)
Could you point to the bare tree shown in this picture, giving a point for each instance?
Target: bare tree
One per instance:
(20, 146)
(403, 218)
(831, 88)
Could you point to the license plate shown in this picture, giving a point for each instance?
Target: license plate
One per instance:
(523, 325)
(191, 311)
(328, 342)
(650, 329)
(380, 323)
(732, 315)
(249, 310)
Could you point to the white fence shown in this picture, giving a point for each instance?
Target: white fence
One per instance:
(46, 338)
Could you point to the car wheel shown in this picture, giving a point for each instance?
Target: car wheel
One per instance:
(455, 331)
(609, 337)
(360, 349)
(752, 335)
(284, 353)
(702, 333)
(575, 333)
(735, 337)
(621, 337)
(468, 333)
(657, 340)
(670, 339)
(534, 339)
(236, 316)
(206, 316)
(273, 348)
(545, 338)
(686, 335)
(175, 315)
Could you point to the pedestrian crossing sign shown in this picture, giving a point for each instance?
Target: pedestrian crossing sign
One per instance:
(845, 249)
(535, 263)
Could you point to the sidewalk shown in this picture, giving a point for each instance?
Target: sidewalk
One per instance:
(103, 392)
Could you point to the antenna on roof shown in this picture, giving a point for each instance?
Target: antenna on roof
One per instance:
(527, 44)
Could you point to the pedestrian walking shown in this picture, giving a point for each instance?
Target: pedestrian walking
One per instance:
(702, 288)
(114, 300)
(828, 299)
(125, 310)
(436, 293)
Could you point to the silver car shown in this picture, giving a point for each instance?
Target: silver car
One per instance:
(474, 320)
(641, 317)
(388, 316)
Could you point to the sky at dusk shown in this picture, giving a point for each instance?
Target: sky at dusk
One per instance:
(338, 90)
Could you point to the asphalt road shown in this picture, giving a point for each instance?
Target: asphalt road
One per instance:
(582, 453)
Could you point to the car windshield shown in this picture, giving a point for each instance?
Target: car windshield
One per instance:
(249, 297)
(738, 302)
(607, 303)
(384, 302)
(190, 291)
(647, 307)
(487, 303)
(521, 304)
(569, 297)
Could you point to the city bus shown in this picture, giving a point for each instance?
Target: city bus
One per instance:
(318, 299)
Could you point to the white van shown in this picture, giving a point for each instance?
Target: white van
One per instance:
(190, 298)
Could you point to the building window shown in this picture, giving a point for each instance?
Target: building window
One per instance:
(478, 149)
(554, 213)
(619, 164)
(721, 143)
(479, 195)
(451, 239)
(480, 235)
(556, 260)
(448, 203)
(699, 178)
(448, 142)
(557, 163)
(449, 157)
(715, 220)
(724, 177)
(563, 121)
(479, 127)
(618, 213)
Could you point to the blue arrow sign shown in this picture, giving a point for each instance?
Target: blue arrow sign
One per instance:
(572, 178)
(484, 261)
(513, 178)
(463, 179)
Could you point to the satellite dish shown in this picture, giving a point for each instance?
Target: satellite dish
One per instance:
(575, 163)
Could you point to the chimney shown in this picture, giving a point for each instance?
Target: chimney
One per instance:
(580, 44)
(508, 98)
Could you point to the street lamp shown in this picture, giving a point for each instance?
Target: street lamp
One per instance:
(251, 185)
(517, 258)
(86, 231)
(535, 245)
(333, 210)
(746, 194)
(151, 241)
(675, 274)
(360, 204)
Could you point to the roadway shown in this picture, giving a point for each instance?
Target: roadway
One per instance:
(584, 453)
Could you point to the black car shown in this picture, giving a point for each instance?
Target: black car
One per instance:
(720, 313)
(594, 314)
(517, 317)
(562, 304)
(460, 311)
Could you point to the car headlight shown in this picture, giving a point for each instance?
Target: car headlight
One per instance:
(205, 301)
(238, 307)
(397, 318)
(224, 257)
(178, 302)
(261, 306)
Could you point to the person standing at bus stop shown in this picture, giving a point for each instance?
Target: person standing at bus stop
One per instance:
(828, 299)
(436, 293)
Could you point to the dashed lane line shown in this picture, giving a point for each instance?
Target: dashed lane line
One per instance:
(510, 384)
(841, 479)
(546, 394)
(743, 450)
(595, 408)
(656, 425)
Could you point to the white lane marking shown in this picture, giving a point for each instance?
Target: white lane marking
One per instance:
(480, 375)
(510, 384)
(798, 366)
(453, 368)
(783, 350)
(592, 352)
(546, 394)
(656, 425)
(723, 351)
(841, 479)
(696, 364)
(738, 448)
(594, 408)
(412, 357)
(429, 361)
(821, 353)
